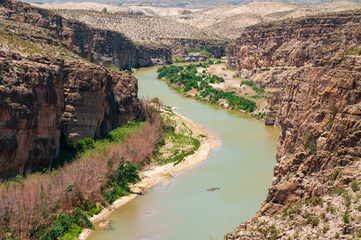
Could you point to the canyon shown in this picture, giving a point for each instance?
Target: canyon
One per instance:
(315, 62)
(48, 93)
(57, 87)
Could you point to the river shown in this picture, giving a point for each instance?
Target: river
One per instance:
(241, 166)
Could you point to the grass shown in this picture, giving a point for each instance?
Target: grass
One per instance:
(255, 88)
(70, 152)
(180, 149)
(351, 51)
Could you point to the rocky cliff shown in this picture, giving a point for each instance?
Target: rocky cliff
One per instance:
(315, 63)
(43, 98)
(96, 45)
(47, 91)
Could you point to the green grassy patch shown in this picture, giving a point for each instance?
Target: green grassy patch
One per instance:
(87, 146)
(184, 79)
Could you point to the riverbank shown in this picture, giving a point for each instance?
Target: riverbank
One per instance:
(212, 82)
(154, 173)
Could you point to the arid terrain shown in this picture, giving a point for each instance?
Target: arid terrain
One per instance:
(72, 126)
(315, 61)
(210, 23)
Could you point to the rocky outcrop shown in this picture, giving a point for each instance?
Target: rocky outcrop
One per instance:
(96, 101)
(31, 103)
(42, 99)
(96, 45)
(317, 62)
(295, 43)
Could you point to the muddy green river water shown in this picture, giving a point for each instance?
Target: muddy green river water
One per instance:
(241, 166)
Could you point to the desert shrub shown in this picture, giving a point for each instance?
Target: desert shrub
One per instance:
(117, 184)
(254, 86)
(67, 222)
(355, 186)
(346, 218)
(338, 191)
(335, 174)
(85, 144)
(314, 221)
(186, 79)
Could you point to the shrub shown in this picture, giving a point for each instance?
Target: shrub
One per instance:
(345, 218)
(355, 186)
(314, 221)
(312, 146)
(117, 184)
(72, 222)
(335, 174)
(85, 144)
(334, 111)
(338, 191)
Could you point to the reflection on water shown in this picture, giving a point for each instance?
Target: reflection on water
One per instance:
(183, 209)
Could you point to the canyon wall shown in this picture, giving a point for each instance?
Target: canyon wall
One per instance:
(99, 46)
(315, 63)
(42, 99)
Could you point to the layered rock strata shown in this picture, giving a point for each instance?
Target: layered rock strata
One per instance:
(96, 45)
(42, 99)
(315, 63)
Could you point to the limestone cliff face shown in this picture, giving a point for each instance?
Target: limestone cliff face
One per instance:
(40, 99)
(31, 103)
(96, 45)
(316, 65)
(295, 43)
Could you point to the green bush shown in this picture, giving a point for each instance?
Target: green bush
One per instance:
(314, 221)
(117, 184)
(187, 78)
(355, 186)
(346, 218)
(67, 225)
(85, 144)
(335, 174)
(254, 86)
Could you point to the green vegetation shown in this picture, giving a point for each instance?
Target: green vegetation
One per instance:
(117, 184)
(205, 51)
(346, 218)
(177, 145)
(187, 78)
(114, 68)
(338, 191)
(314, 221)
(179, 60)
(253, 86)
(67, 226)
(88, 146)
(261, 115)
(310, 143)
(351, 51)
(355, 186)
(85, 144)
(335, 174)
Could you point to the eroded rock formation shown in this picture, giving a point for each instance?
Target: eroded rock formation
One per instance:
(40, 99)
(96, 45)
(316, 64)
